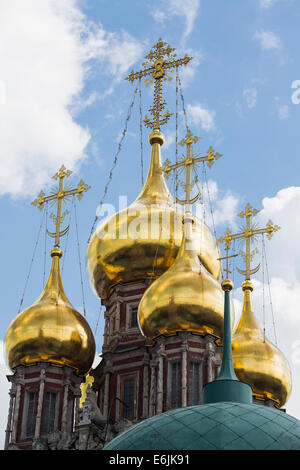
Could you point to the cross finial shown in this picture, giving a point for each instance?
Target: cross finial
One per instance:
(59, 194)
(160, 63)
(186, 163)
(247, 234)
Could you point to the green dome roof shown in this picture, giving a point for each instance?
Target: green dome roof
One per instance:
(213, 426)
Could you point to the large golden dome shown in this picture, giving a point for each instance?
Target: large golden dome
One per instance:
(143, 240)
(185, 297)
(256, 360)
(51, 330)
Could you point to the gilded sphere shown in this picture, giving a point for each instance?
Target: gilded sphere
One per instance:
(143, 240)
(185, 297)
(256, 360)
(51, 330)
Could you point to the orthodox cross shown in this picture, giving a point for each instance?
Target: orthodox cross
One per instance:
(57, 197)
(161, 61)
(249, 232)
(187, 163)
(227, 247)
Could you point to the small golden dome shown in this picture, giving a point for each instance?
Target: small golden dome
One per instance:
(51, 330)
(185, 297)
(143, 240)
(256, 360)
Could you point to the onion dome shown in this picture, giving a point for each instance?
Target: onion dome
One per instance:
(185, 297)
(226, 421)
(142, 241)
(256, 360)
(215, 426)
(51, 330)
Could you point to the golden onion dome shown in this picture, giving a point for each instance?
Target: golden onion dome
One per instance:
(143, 240)
(256, 360)
(51, 330)
(185, 297)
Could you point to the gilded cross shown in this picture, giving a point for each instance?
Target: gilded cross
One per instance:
(161, 62)
(227, 247)
(57, 197)
(188, 162)
(249, 232)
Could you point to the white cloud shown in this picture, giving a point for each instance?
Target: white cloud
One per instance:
(265, 4)
(283, 260)
(45, 50)
(268, 40)
(283, 210)
(201, 116)
(224, 207)
(189, 9)
(250, 95)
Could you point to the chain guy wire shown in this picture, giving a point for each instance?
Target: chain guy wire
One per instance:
(32, 259)
(79, 257)
(269, 288)
(45, 245)
(176, 132)
(115, 161)
(98, 319)
(67, 237)
(141, 131)
(263, 283)
(183, 106)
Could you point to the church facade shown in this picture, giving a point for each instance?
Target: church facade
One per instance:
(164, 314)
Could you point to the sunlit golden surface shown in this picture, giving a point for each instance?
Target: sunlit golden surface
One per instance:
(186, 297)
(89, 380)
(154, 236)
(257, 361)
(51, 330)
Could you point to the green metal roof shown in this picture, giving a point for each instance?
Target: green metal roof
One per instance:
(214, 426)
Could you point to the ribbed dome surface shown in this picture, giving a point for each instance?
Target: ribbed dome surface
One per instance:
(217, 426)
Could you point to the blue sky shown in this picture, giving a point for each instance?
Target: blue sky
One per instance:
(63, 99)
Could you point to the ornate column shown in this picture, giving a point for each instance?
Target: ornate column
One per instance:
(160, 378)
(117, 323)
(40, 405)
(152, 388)
(77, 407)
(12, 394)
(108, 371)
(184, 349)
(19, 383)
(145, 387)
(65, 406)
(209, 353)
(105, 329)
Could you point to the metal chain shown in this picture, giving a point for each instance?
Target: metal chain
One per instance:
(176, 133)
(141, 132)
(183, 106)
(45, 246)
(79, 257)
(115, 160)
(210, 204)
(96, 328)
(67, 237)
(233, 265)
(263, 282)
(271, 304)
(31, 262)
